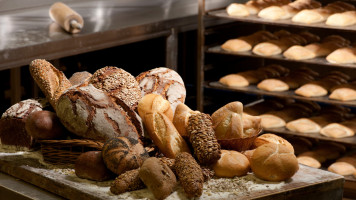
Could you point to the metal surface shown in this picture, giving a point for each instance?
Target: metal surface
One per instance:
(172, 50)
(27, 34)
(317, 61)
(200, 56)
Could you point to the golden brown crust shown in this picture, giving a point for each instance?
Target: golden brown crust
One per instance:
(154, 103)
(180, 119)
(126, 182)
(272, 138)
(230, 164)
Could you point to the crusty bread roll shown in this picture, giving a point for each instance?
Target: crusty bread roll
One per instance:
(340, 130)
(154, 103)
(274, 162)
(347, 18)
(321, 14)
(230, 164)
(344, 92)
(287, 11)
(303, 125)
(51, 81)
(90, 165)
(251, 7)
(245, 43)
(273, 85)
(342, 168)
(309, 161)
(248, 154)
(181, 117)
(163, 133)
(272, 138)
(345, 55)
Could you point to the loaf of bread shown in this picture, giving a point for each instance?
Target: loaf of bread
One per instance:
(272, 138)
(347, 18)
(90, 165)
(118, 83)
(313, 50)
(344, 92)
(13, 121)
(126, 182)
(287, 11)
(181, 117)
(79, 78)
(50, 80)
(91, 113)
(251, 7)
(246, 43)
(309, 16)
(122, 154)
(189, 174)
(158, 178)
(231, 164)
(202, 138)
(322, 86)
(44, 125)
(165, 82)
(164, 135)
(151, 103)
(344, 55)
(246, 78)
(340, 130)
(274, 162)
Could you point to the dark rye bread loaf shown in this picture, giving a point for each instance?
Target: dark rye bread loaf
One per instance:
(122, 154)
(92, 113)
(118, 83)
(165, 82)
(12, 124)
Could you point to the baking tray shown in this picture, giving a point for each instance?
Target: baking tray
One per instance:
(252, 89)
(317, 61)
(286, 22)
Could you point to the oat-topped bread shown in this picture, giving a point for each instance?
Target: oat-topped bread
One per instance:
(118, 83)
(51, 81)
(12, 124)
(165, 82)
(91, 113)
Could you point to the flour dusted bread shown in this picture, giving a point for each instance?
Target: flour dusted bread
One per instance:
(274, 162)
(272, 138)
(51, 81)
(163, 133)
(231, 164)
(347, 18)
(246, 43)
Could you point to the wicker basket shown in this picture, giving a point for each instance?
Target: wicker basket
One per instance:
(67, 151)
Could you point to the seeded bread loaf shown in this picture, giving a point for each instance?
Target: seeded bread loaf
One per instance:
(128, 181)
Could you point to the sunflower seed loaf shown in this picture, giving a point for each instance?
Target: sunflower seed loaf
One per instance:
(202, 137)
(189, 174)
(126, 182)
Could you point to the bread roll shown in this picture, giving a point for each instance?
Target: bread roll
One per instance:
(347, 18)
(251, 7)
(303, 125)
(122, 154)
(339, 130)
(273, 85)
(343, 94)
(90, 165)
(181, 117)
(126, 182)
(272, 138)
(245, 43)
(348, 159)
(342, 168)
(163, 133)
(165, 82)
(154, 103)
(51, 81)
(309, 161)
(345, 55)
(230, 164)
(274, 162)
(44, 125)
(158, 178)
(118, 83)
(313, 154)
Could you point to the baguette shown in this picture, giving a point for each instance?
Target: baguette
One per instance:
(309, 16)
(347, 18)
(287, 11)
(51, 81)
(245, 43)
(163, 133)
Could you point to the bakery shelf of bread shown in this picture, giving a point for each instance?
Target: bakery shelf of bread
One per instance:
(343, 22)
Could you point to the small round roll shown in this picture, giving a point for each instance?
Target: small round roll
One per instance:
(231, 163)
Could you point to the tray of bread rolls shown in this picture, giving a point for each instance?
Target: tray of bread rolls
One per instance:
(152, 145)
(335, 15)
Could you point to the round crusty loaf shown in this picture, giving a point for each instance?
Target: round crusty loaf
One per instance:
(44, 125)
(274, 162)
(122, 154)
(90, 165)
(91, 113)
(151, 103)
(79, 78)
(165, 82)
(118, 83)
(158, 178)
(51, 81)
(272, 138)
(230, 164)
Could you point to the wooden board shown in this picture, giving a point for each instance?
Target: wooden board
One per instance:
(307, 183)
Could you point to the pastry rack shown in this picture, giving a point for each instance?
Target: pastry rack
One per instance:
(203, 48)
